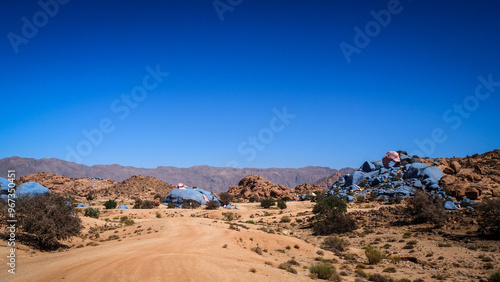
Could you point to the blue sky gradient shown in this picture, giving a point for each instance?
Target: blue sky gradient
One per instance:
(227, 78)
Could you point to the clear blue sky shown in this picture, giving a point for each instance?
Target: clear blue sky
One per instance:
(225, 77)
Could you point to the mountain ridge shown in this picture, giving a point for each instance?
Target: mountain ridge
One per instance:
(216, 179)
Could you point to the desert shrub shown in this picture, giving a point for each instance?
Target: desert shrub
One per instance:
(252, 199)
(424, 207)
(489, 217)
(190, 204)
(171, 206)
(89, 197)
(143, 204)
(373, 255)
(110, 204)
(329, 205)
(390, 270)
(127, 221)
(281, 204)
(331, 216)
(495, 276)
(335, 244)
(285, 219)
(286, 266)
(159, 197)
(335, 223)
(267, 203)
(286, 199)
(92, 212)
(225, 198)
(257, 250)
(212, 205)
(48, 218)
(228, 215)
(324, 271)
(407, 234)
(378, 278)
(158, 215)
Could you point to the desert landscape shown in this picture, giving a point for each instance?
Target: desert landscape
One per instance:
(251, 241)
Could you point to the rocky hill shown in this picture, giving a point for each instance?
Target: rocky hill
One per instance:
(255, 186)
(216, 179)
(143, 187)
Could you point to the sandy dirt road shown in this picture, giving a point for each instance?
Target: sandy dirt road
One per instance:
(185, 249)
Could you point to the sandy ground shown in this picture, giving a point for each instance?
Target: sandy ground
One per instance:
(198, 245)
(184, 248)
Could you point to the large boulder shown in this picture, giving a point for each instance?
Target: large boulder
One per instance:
(456, 166)
(368, 166)
(354, 178)
(390, 156)
(415, 170)
(31, 189)
(432, 172)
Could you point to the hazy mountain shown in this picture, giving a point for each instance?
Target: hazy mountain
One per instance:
(217, 179)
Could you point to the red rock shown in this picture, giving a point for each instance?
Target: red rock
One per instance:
(456, 166)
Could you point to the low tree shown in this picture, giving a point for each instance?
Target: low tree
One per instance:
(48, 218)
(489, 217)
(267, 203)
(212, 205)
(225, 198)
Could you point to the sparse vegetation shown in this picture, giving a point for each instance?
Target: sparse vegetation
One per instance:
(143, 204)
(286, 266)
(324, 271)
(257, 250)
(335, 244)
(285, 219)
(373, 255)
(92, 212)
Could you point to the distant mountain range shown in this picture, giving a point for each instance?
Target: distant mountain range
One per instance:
(216, 179)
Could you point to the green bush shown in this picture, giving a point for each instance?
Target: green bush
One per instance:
(489, 217)
(228, 215)
(335, 223)
(252, 199)
(374, 256)
(329, 205)
(286, 199)
(495, 276)
(334, 243)
(282, 204)
(127, 221)
(285, 219)
(171, 206)
(324, 271)
(110, 204)
(267, 203)
(92, 212)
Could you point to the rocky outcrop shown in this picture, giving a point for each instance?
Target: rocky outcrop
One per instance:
(255, 186)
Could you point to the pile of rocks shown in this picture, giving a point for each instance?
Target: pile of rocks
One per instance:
(374, 180)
